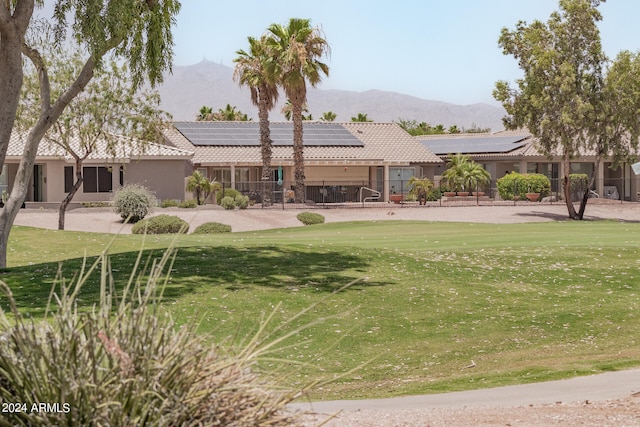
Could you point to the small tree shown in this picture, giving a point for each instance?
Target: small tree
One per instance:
(107, 112)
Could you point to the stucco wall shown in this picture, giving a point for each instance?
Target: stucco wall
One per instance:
(164, 177)
(335, 173)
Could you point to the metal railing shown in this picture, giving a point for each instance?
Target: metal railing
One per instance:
(370, 193)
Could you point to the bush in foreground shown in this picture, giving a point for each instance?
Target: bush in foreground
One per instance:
(212, 228)
(133, 202)
(161, 224)
(124, 363)
(310, 218)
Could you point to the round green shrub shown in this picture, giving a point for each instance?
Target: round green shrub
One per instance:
(228, 192)
(242, 202)
(310, 218)
(189, 204)
(212, 228)
(161, 224)
(520, 184)
(538, 183)
(133, 202)
(228, 203)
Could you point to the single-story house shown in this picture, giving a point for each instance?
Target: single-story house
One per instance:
(160, 168)
(506, 151)
(341, 159)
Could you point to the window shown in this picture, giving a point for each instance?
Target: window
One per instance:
(242, 179)
(96, 180)
(68, 178)
(223, 176)
(398, 178)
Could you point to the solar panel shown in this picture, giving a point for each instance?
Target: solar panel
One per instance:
(248, 134)
(497, 144)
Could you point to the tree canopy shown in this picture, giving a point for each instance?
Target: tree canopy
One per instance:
(137, 31)
(571, 98)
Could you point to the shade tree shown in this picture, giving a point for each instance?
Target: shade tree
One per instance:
(137, 31)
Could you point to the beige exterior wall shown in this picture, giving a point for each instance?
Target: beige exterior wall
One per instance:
(335, 173)
(164, 177)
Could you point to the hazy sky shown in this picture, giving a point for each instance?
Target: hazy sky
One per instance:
(432, 49)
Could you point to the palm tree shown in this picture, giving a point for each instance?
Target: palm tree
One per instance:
(361, 118)
(205, 114)
(257, 70)
(463, 174)
(287, 111)
(230, 114)
(454, 175)
(328, 116)
(200, 184)
(419, 187)
(298, 47)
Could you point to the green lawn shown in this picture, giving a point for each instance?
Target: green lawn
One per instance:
(525, 302)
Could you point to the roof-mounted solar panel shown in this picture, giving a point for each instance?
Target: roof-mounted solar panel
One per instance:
(484, 145)
(248, 134)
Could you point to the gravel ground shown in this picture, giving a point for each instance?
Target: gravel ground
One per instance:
(619, 406)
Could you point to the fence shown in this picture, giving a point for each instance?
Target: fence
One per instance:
(367, 193)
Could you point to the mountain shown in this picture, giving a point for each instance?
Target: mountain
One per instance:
(190, 87)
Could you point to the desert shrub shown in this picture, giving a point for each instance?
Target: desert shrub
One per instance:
(169, 203)
(133, 202)
(212, 228)
(310, 218)
(434, 194)
(228, 192)
(242, 202)
(189, 204)
(228, 203)
(125, 363)
(161, 224)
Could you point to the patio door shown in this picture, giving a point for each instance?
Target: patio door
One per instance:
(38, 183)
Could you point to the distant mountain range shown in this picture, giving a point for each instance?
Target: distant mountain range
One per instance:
(190, 87)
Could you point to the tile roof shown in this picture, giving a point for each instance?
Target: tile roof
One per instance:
(125, 150)
(382, 143)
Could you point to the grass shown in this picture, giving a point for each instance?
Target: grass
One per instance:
(525, 302)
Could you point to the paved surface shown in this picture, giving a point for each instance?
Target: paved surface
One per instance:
(607, 386)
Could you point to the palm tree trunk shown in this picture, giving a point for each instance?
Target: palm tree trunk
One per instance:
(298, 149)
(266, 151)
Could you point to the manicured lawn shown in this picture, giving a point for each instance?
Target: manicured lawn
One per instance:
(525, 302)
